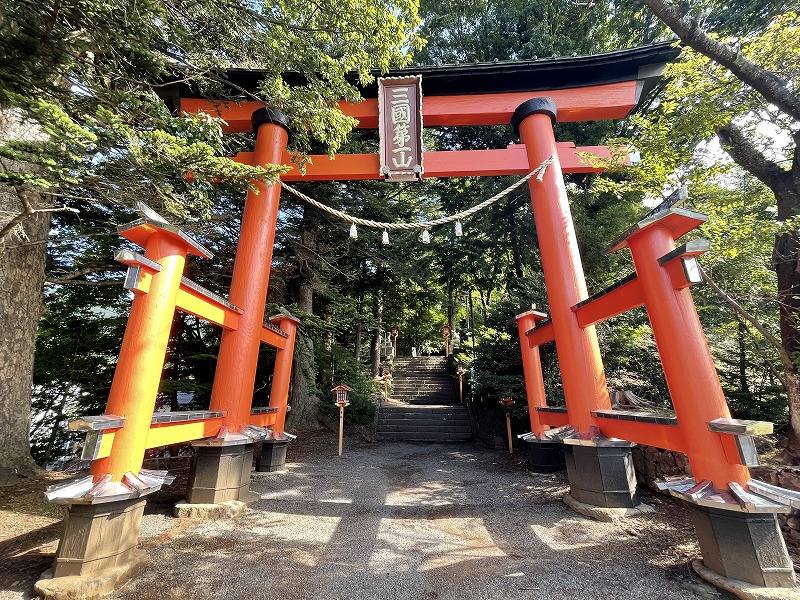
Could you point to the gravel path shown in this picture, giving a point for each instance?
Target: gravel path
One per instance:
(397, 521)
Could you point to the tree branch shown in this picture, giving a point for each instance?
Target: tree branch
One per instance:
(28, 211)
(766, 83)
(106, 282)
(785, 358)
(746, 155)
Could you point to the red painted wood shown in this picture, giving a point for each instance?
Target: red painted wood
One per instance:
(461, 163)
(592, 103)
(651, 434)
(580, 363)
(689, 369)
(554, 419)
(532, 369)
(238, 353)
(540, 336)
(615, 302)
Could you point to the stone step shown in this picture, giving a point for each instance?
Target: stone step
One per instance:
(427, 428)
(447, 398)
(410, 383)
(452, 422)
(423, 436)
(424, 412)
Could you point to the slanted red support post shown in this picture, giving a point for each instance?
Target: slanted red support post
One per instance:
(532, 369)
(689, 369)
(141, 358)
(581, 366)
(234, 380)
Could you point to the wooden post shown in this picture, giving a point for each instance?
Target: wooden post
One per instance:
(461, 388)
(532, 369)
(508, 428)
(341, 428)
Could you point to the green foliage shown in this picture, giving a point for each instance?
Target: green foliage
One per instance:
(88, 75)
(344, 370)
(702, 96)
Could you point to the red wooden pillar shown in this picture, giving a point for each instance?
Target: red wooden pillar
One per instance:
(141, 358)
(688, 366)
(532, 368)
(282, 374)
(234, 380)
(578, 351)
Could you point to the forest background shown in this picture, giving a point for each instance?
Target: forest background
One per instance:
(85, 135)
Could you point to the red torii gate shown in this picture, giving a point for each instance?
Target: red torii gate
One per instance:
(579, 89)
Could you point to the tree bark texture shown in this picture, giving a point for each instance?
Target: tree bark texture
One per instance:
(375, 342)
(21, 278)
(304, 404)
(22, 270)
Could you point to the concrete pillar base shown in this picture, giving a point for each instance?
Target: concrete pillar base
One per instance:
(91, 585)
(272, 456)
(601, 475)
(214, 512)
(98, 537)
(744, 546)
(220, 473)
(545, 456)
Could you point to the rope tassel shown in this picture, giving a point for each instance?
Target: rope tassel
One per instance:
(353, 231)
(385, 240)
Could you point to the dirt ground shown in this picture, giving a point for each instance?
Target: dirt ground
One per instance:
(384, 521)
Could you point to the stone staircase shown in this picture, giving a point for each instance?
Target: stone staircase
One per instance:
(422, 380)
(423, 406)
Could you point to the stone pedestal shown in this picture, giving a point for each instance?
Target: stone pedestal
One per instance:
(98, 537)
(272, 456)
(744, 546)
(545, 456)
(601, 475)
(220, 473)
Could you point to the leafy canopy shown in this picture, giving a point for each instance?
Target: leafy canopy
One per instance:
(89, 74)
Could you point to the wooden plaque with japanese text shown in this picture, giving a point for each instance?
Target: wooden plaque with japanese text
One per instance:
(400, 127)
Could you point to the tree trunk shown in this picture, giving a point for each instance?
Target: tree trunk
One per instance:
(516, 255)
(359, 329)
(741, 332)
(22, 270)
(375, 343)
(304, 370)
(21, 280)
(786, 261)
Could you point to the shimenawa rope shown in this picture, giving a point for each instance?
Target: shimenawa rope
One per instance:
(538, 171)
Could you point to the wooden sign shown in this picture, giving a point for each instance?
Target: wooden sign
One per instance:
(400, 126)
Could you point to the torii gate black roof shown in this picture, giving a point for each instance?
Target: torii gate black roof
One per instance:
(644, 64)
